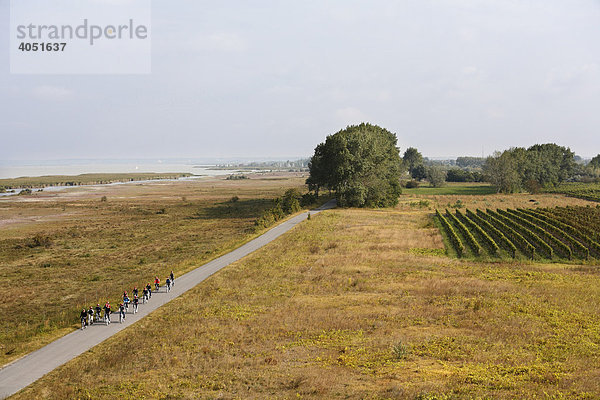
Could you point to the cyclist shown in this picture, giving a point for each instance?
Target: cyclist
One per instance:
(135, 303)
(156, 283)
(98, 312)
(168, 284)
(145, 296)
(126, 301)
(90, 316)
(172, 278)
(107, 313)
(121, 313)
(134, 292)
(149, 290)
(83, 317)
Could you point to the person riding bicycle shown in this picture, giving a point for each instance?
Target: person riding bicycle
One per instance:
(149, 288)
(83, 317)
(107, 312)
(172, 278)
(168, 284)
(98, 312)
(156, 283)
(134, 292)
(145, 296)
(136, 301)
(121, 312)
(90, 315)
(126, 301)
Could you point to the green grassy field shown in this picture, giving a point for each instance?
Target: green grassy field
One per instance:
(61, 251)
(464, 189)
(358, 304)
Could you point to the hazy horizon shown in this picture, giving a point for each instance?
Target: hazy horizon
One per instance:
(234, 80)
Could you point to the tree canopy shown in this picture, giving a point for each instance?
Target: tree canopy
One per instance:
(595, 163)
(539, 165)
(412, 160)
(361, 164)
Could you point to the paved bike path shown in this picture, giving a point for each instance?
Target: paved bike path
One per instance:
(23, 372)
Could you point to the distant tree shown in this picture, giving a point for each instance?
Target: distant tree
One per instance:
(436, 176)
(419, 172)
(459, 175)
(411, 160)
(548, 164)
(595, 163)
(517, 168)
(470, 162)
(361, 163)
(500, 170)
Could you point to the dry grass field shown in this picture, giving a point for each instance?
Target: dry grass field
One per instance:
(359, 304)
(60, 251)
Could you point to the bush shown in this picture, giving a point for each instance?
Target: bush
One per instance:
(399, 351)
(436, 176)
(236, 177)
(234, 199)
(103, 199)
(25, 192)
(39, 240)
(412, 184)
(290, 202)
(308, 199)
(533, 186)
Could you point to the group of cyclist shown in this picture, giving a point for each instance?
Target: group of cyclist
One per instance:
(91, 315)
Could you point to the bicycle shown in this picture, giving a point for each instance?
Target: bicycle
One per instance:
(82, 323)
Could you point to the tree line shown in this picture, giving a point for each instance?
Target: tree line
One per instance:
(363, 166)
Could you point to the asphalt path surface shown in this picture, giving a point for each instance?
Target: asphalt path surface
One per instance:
(28, 369)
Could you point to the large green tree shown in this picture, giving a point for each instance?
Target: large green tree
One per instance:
(540, 165)
(361, 164)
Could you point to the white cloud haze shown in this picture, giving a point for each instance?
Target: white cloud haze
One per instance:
(273, 78)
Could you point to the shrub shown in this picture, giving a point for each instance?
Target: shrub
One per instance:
(290, 202)
(234, 199)
(39, 240)
(308, 199)
(236, 177)
(412, 184)
(103, 199)
(436, 176)
(399, 350)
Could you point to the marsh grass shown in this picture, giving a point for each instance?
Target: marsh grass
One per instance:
(344, 307)
(63, 251)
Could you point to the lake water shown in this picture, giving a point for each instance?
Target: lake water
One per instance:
(8, 171)
(78, 169)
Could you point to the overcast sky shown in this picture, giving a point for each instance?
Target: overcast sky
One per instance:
(274, 78)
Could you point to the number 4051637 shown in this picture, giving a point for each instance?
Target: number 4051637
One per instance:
(42, 46)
